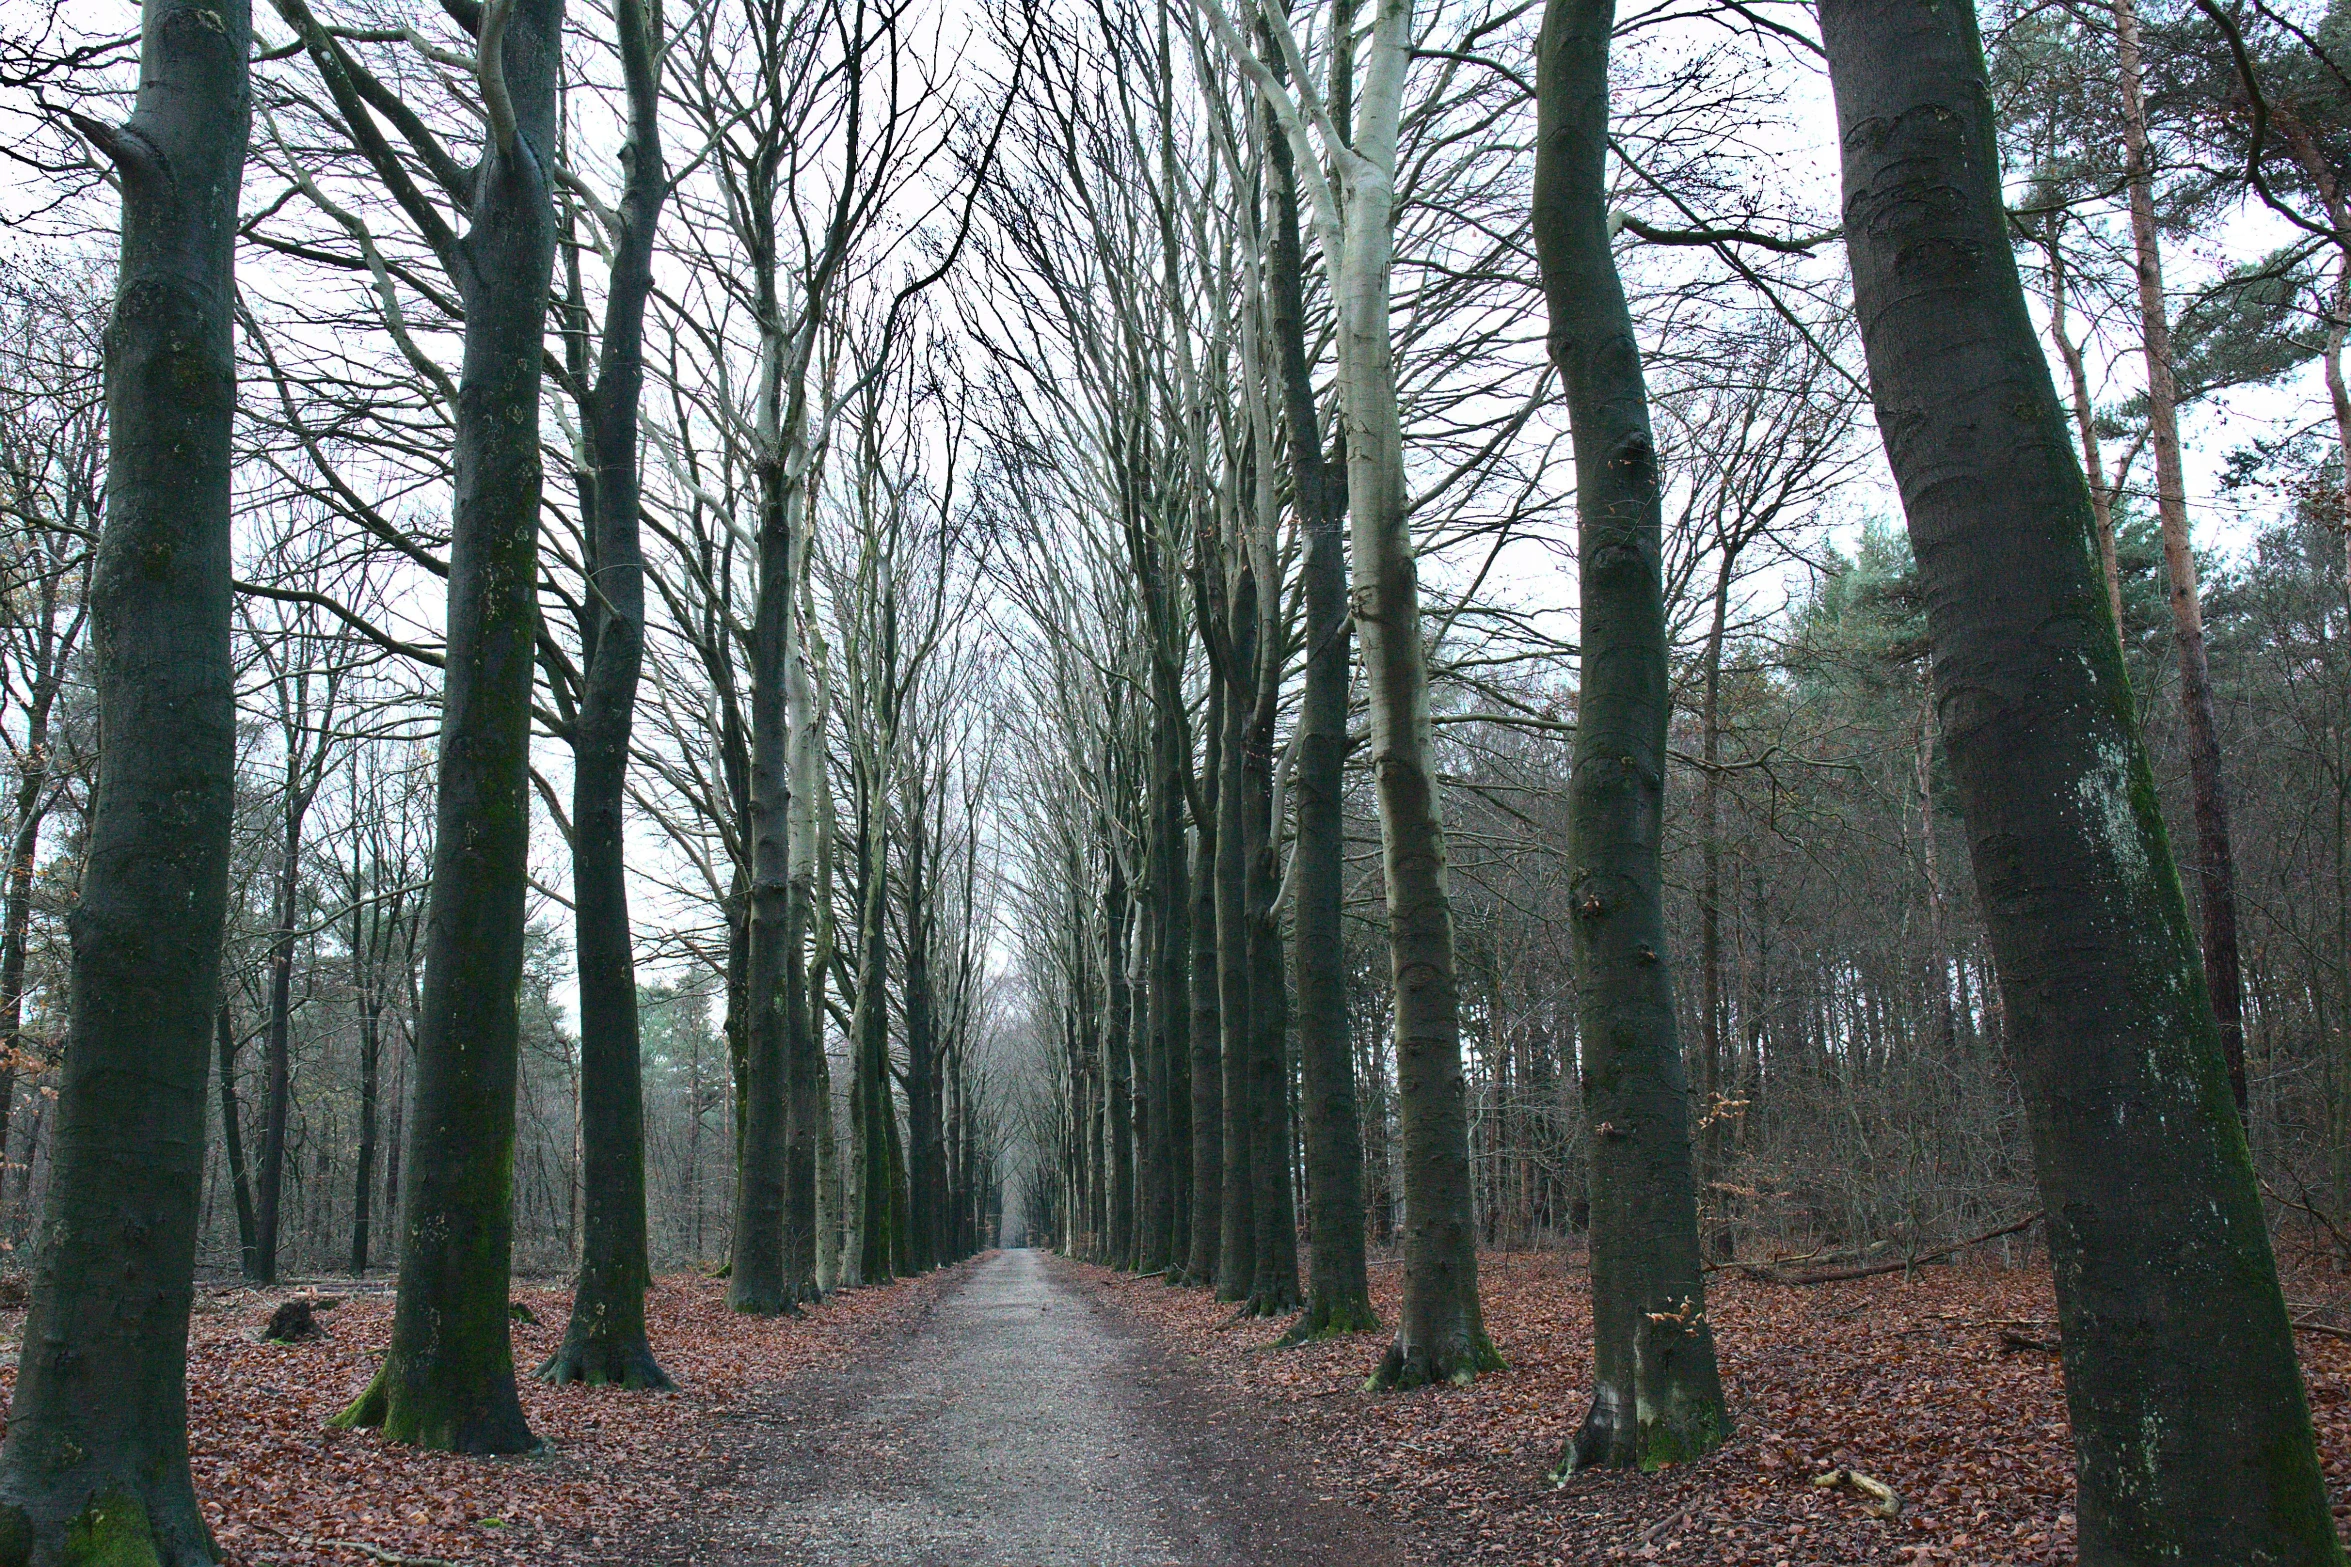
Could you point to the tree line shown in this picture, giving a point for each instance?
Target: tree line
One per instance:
(1015, 560)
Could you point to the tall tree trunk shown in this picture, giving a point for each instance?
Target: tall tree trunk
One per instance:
(605, 1341)
(1171, 959)
(923, 1132)
(1273, 1274)
(756, 1279)
(16, 917)
(1237, 1238)
(872, 1122)
(1117, 1048)
(1168, 937)
(1338, 1297)
(95, 1468)
(1656, 1394)
(808, 1144)
(1147, 1040)
(2216, 874)
(1207, 1026)
(232, 1136)
(2085, 418)
(1712, 1005)
(278, 1049)
(2191, 1444)
(1440, 1331)
(363, 1184)
(448, 1378)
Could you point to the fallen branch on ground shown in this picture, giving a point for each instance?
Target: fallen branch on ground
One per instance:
(1772, 1275)
(1880, 1498)
(1668, 1524)
(389, 1558)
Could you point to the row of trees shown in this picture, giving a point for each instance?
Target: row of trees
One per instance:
(282, 637)
(1042, 617)
(1198, 1036)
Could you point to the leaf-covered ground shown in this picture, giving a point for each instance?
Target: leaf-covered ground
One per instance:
(619, 1473)
(1908, 1380)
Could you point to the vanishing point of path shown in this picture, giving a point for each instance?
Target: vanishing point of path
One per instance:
(1020, 1426)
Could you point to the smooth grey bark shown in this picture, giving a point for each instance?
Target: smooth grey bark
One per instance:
(1656, 1392)
(1440, 1332)
(605, 1341)
(1338, 1296)
(447, 1380)
(2192, 1444)
(95, 1467)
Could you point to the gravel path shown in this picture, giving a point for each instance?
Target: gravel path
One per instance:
(1022, 1426)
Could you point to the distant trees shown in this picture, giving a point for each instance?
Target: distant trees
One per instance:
(980, 458)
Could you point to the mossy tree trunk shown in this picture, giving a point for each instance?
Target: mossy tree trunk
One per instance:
(95, 1468)
(2193, 1440)
(447, 1380)
(605, 1342)
(1656, 1392)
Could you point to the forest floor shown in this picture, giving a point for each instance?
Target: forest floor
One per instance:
(1023, 1409)
(1909, 1380)
(620, 1479)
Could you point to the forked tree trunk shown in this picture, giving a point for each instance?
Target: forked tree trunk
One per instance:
(1656, 1393)
(447, 1380)
(95, 1469)
(605, 1342)
(2192, 1438)
(1338, 1293)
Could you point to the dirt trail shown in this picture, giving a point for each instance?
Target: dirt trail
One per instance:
(1022, 1426)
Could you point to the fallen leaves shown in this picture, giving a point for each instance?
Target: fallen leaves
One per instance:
(1906, 1381)
(617, 1470)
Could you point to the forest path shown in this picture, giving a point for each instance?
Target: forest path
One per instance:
(1023, 1425)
